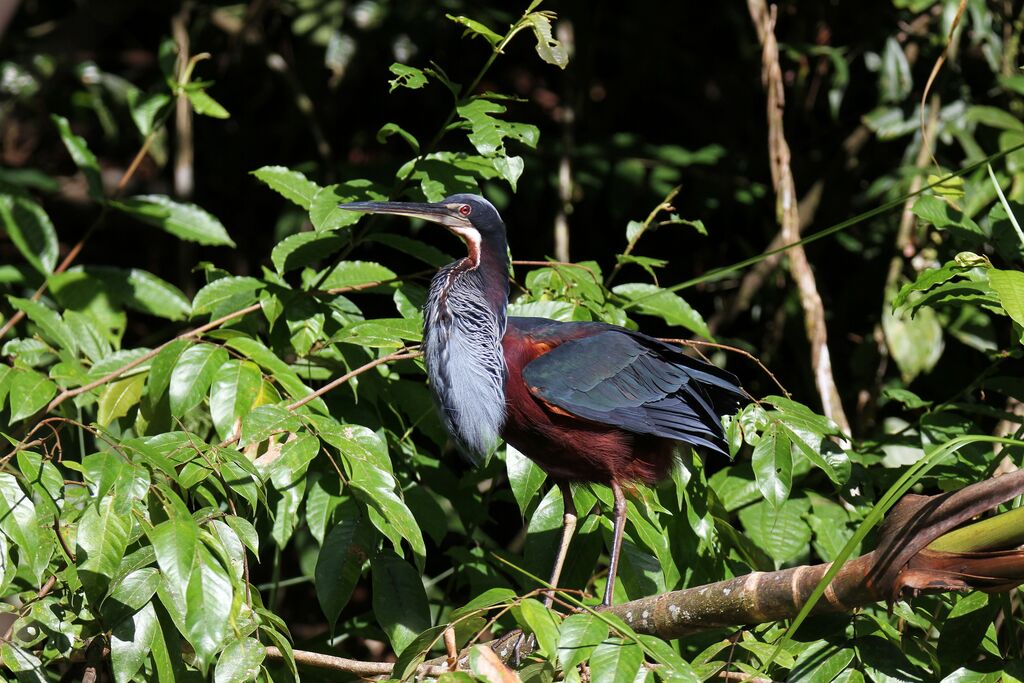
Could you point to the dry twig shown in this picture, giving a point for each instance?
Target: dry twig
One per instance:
(789, 218)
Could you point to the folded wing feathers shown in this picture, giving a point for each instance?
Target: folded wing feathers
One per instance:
(638, 384)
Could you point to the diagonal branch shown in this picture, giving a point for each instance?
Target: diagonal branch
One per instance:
(916, 552)
(789, 218)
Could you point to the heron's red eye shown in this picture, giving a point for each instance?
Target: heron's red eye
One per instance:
(465, 209)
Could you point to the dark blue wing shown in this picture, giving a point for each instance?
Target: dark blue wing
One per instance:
(634, 382)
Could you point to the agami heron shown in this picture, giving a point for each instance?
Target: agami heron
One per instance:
(586, 401)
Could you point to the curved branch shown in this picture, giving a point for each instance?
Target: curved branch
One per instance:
(907, 561)
(789, 218)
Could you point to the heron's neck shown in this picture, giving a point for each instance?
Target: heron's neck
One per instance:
(463, 327)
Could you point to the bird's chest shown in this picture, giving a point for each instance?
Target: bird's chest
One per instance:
(462, 345)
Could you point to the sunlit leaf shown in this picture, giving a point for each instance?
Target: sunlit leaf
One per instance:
(30, 230)
(290, 184)
(183, 220)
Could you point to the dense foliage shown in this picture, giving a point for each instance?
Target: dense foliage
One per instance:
(190, 478)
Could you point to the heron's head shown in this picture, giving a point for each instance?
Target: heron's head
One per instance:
(469, 216)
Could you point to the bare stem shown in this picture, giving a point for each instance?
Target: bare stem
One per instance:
(789, 218)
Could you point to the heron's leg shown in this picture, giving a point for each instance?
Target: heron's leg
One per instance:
(568, 527)
(617, 529)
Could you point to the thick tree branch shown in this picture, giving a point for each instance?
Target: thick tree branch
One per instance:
(789, 218)
(903, 563)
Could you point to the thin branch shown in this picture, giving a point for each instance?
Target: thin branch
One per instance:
(43, 591)
(664, 205)
(936, 68)
(733, 349)
(352, 666)
(71, 393)
(787, 210)
(742, 677)
(401, 354)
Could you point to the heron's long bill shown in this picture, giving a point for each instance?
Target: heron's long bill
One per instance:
(445, 214)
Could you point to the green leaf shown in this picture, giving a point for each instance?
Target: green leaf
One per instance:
(20, 523)
(226, 295)
(147, 110)
(916, 343)
(549, 48)
(50, 321)
(293, 460)
(672, 667)
(240, 661)
(183, 220)
(355, 273)
(102, 539)
(263, 421)
(929, 279)
(388, 333)
(540, 621)
(616, 661)
(415, 652)
(292, 185)
(509, 168)
(579, 635)
(118, 398)
(324, 212)
(31, 231)
(22, 661)
(304, 249)
(340, 562)
(489, 598)
(994, 117)
(132, 592)
(205, 105)
(399, 601)
(174, 542)
(1009, 286)
(475, 28)
(782, 533)
(131, 642)
(162, 366)
(389, 129)
(29, 392)
(234, 391)
(406, 77)
(246, 533)
(133, 288)
(670, 307)
(283, 374)
(192, 376)
(488, 132)
(895, 80)
(773, 465)
(208, 585)
(46, 481)
(909, 399)
(525, 477)
(820, 662)
(82, 156)
(148, 293)
(943, 216)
